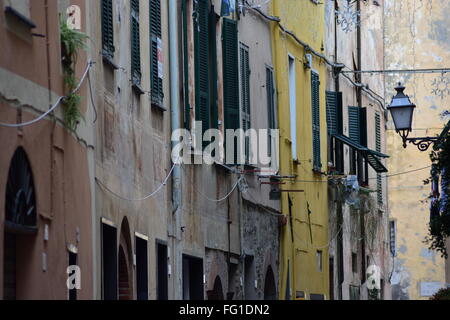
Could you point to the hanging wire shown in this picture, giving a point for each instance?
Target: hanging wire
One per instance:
(223, 198)
(57, 103)
(164, 183)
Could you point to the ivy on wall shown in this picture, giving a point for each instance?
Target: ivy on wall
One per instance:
(439, 227)
(71, 42)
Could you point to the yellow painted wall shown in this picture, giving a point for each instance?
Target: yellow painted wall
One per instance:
(306, 20)
(416, 37)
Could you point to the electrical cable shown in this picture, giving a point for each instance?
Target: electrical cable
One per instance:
(164, 183)
(223, 198)
(58, 101)
(92, 98)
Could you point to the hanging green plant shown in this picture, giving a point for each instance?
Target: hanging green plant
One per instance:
(71, 42)
(439, 226)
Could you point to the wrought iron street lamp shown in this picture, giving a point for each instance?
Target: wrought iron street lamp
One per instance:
(402, 110)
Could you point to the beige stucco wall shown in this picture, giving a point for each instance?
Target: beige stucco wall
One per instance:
(417, 37)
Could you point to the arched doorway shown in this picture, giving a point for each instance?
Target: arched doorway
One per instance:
(270, 289)
(20, 225)
(125, 263)
(217, 292)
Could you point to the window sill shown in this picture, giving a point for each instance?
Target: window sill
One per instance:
(137, 88)
(28, 22)
(159, 107)
(109, 61)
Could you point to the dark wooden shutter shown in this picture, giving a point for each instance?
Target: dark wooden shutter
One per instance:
(187, 106)
(201, 38)
(107, 29)
(378, 149)
(270, 90)
(230, 73)
(332, 112)
(245, 96)
(135, 44)
(157, 93)
(354, 129)
(315, 97)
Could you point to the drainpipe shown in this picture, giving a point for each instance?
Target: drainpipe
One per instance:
(175, 124)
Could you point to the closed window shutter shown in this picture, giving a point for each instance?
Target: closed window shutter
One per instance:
(270, 90)
(332, 112)
(187, 107)
(135, 43)
(157, 93)
(378, 149)
(230, 73)
(107, 29)
(201, 36)
(245, 96)
(315, 94)
(354, 128)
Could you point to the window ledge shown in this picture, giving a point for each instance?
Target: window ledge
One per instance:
(108, 60)
(137, 88)
(159, 107)
(10, 10)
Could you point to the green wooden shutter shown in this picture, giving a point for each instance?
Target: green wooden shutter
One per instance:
(354, 128)
(230, 73)
(107, 29)
(270, 91)
(332, 112)
(245, 96)
(157, 93)
(378, 149)
(315, 103)
(187, 106)
(212, 33)
(201, 37)
(135, 44)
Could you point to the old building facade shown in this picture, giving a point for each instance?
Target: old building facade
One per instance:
(356, 118)
(45, 224)
(298, 38)
(417, 40)
(97, 98)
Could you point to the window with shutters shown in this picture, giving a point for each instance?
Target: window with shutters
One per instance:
(156, 65)
(187, 105)
(230, 56)
(205, 21)
(271, 112)
(378, 149)
(357, 127)
(107, 29)
(315, 103)
(334, 126)
(135, 46)
(245, 96)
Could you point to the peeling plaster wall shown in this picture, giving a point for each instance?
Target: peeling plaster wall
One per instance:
(417, 37)
(132, 139)
(376, 219)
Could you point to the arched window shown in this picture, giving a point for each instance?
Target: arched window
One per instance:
(20, 205)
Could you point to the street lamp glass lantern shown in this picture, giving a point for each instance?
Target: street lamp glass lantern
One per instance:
(402, 110)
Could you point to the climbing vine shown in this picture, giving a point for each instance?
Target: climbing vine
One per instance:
(71, 42)
(439, 226)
